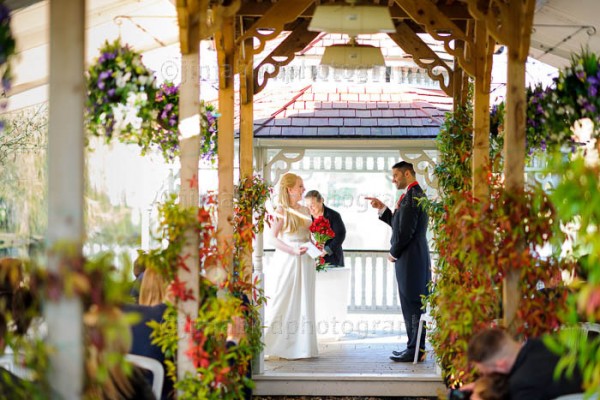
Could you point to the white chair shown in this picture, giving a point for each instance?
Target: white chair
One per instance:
(425, 318)
(152, 365)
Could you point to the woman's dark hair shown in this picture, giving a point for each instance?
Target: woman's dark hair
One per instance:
(314, 194)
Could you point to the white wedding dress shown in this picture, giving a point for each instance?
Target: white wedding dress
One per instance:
(290, 311)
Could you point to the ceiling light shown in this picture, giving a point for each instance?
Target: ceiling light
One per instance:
(352, 56)
(352, 19)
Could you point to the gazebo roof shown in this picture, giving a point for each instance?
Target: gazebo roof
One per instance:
(323, 110)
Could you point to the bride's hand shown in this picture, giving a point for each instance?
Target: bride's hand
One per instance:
(300, 250)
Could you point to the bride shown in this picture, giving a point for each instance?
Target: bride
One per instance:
(290, 279)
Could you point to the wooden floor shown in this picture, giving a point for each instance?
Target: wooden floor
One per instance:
(354, 364)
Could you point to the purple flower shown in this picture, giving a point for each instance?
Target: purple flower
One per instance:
(169, 106)
(580, 75)
(589, 107)
(104, 57)
(111, 92)
(4, 14)
(6, 84)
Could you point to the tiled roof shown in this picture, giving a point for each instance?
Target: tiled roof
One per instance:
(327, 110)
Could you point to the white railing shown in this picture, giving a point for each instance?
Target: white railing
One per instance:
(373, 287)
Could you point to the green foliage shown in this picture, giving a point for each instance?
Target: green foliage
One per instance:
(479, 242)
(23, 172)
(7, 52)
(109, 224)
(577, 198)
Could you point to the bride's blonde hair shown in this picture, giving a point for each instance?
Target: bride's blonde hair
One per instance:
(291, 220)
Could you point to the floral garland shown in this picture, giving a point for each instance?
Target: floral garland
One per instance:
(209, 132)
(465, 296)
(7, 51)
(101, 290)
(220, 371)
(251, 198)
(552, 111)
(121, 92)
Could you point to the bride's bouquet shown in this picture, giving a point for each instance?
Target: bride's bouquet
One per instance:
(322, 232)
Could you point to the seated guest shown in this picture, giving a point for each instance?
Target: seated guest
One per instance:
(139, 266)
(151, 307)
(119, 385)
(529, 366)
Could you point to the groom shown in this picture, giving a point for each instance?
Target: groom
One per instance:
(409, 252)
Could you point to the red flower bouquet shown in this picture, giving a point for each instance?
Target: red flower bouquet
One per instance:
(322, 232)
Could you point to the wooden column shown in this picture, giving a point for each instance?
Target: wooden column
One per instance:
(189, 127)
(457, 76)
(482, 52)
(247, 132)
(224, 40)
(65, 192)
(514, 162)
(521, 14)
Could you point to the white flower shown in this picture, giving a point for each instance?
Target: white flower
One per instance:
(591, 157)
(582, 130)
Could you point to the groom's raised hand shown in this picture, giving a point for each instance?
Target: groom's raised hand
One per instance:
(376, 203)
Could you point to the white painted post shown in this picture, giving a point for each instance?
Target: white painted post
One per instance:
(65, 189)
(189, 126)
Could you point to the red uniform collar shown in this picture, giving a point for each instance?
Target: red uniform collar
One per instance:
(412, 185)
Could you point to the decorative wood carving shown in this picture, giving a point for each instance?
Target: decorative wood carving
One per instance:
(297, 40)
(440, 27)
(423, 56)
(282, 163)
(274, 19)
(509, 22)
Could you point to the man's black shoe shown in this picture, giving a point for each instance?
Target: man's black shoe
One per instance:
(404, 357)
(399, 353)
(408, 357)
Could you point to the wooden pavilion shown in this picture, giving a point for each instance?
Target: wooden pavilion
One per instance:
(469, 30)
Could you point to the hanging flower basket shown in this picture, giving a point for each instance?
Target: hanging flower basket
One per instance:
(209, 132)
(7, 51)
(166, 130)
(552, 111)
(121, 92)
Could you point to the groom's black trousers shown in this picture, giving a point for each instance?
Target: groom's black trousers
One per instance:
(411, 304)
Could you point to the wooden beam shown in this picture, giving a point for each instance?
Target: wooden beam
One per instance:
(283, 54)
(65, 193)
(423, 56)
(224, 40)
(454, 11)
(482, 52)
(439, 26)
(274, 18)
(189, 126)
(246, 110)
